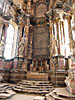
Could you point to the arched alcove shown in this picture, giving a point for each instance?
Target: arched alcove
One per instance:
(9, 42)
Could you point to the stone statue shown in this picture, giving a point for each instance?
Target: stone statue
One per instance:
(21, 48)
(53, 46)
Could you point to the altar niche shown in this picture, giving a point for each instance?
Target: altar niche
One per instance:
(41, 31)
(41, 42)
(41, 39)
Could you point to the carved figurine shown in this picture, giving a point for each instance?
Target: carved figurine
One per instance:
(53, 47)
(21, 48)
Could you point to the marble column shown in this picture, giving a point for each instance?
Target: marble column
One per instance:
(63, 31)
(58, 38)
(1, 26)
(50, 28)
(53, 59)
(71, 42)
(58, 60)
(62, 37)
(1, 40)
(53, 41)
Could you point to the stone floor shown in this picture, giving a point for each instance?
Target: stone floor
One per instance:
(22, 97)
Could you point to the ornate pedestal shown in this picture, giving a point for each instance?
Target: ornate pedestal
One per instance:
(17, 75)
(58, 72)
(70, 79)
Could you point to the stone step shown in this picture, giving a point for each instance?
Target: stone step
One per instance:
(3, 89)
(28, 90)
(38, 87)
(40, 82)
(59, 94)
(6, 91)
(44, 85)
(6, 95)
(56, 97)
(31, 87)
(39, 98)
(35, 86)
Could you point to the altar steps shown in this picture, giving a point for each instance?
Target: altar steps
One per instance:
(35, 87)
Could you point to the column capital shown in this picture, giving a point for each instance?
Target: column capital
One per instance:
(68, 17)
(57, 19)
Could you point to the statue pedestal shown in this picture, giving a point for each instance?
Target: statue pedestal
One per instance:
(57, 63)
(17, 75)
(58, 70)
(24, 65)
(61, 62)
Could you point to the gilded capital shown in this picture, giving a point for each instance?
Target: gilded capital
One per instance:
(68, 17)
(57, 19)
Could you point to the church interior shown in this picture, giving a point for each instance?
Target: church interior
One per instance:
(37, 49)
